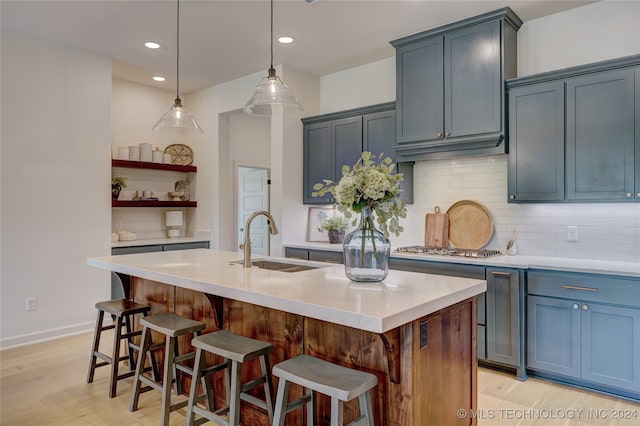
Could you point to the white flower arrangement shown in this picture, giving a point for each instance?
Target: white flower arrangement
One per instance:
(372, 185)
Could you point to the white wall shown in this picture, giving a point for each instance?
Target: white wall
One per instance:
(56, 139)
(135, 108)
(215, 106)
(587, 34)
(596, 32)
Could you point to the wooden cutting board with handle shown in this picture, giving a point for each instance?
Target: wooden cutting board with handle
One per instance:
(436, 232)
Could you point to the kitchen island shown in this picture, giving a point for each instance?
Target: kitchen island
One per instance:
(415, 332)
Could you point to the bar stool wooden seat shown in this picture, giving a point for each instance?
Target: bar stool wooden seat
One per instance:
(235, 350)
(122, 311)
(315, 375)
(171, 326)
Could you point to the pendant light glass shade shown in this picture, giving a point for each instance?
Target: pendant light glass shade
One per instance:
(272, 96)
(178, 120)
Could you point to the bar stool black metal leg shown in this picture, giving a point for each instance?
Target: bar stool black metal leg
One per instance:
(94, 348)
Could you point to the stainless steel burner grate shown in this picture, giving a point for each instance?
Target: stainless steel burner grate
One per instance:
(449, 251)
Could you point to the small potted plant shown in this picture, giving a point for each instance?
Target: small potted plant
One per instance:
(335, 227)
(117, 183)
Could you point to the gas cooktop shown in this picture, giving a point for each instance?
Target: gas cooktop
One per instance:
(448, 251)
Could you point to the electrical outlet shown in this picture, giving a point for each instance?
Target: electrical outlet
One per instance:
(31, 304)
(118, 224)
(424, 334)
(572, 233)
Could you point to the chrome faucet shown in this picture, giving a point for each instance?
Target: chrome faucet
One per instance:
(247, 239)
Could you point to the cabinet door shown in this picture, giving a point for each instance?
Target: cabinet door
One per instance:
(536, 143)
(379, 137)
(503, 316)
(318, 160)
(611, 345)
(420, 91)
(473, 84)
(553, 335)
(379, 132)
(347, 140)
(600, 136)
(637, 135)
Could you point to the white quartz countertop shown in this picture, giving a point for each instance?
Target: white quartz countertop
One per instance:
(591, 266)
(324, 293)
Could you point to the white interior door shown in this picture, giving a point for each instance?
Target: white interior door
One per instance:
(253, 195)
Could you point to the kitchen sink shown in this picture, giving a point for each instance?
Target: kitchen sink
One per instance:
(280, 266)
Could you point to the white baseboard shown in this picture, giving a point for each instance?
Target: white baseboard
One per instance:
(43, 336)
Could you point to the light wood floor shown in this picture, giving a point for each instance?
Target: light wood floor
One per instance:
(45, 384)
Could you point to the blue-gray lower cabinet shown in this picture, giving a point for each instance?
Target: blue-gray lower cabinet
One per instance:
(586, 329)
(505, 318)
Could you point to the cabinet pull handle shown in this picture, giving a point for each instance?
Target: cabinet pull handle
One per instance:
(629, 195)
(575, 287)
(512, 197)
(502, 274)
(575, 306)
(447, 133)
(585, 307)
(439, 134)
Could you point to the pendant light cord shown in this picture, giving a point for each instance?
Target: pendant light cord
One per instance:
(271, 33)
(178, 50)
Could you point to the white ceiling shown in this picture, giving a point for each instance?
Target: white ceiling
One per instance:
(224, 40)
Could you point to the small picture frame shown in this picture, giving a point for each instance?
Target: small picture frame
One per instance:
(317, 215)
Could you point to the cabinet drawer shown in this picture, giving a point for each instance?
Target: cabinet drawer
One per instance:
(135, 249)
(186, 246)
(326, 256)
(296, 253)
(589, 287)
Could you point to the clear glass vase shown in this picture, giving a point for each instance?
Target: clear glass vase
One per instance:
(366, 251)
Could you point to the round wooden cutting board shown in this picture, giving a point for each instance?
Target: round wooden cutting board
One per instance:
(470, 225)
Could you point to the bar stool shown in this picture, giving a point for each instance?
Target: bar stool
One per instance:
(235, 350)
(315, 375)
(171, 326)
(122, 311)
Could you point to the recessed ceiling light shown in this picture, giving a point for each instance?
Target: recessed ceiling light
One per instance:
(159, 78)
(152, 45)
(285, 39)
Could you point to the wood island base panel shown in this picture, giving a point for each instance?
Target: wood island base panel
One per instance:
(426, 369)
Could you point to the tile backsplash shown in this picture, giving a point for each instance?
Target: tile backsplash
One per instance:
(606, 231)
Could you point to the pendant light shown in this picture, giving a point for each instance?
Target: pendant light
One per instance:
(178, 120)
(272, 96)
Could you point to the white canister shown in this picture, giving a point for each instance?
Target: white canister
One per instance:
(123, 153)
(134, 153)
(146, 152)
(157, 156)
(166, 158)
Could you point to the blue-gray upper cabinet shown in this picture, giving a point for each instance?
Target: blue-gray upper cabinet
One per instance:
(536, 142)
(574, 134)
(379, 134)
(337, 139)
(328, 145)
(601, 136)
(449, 87)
